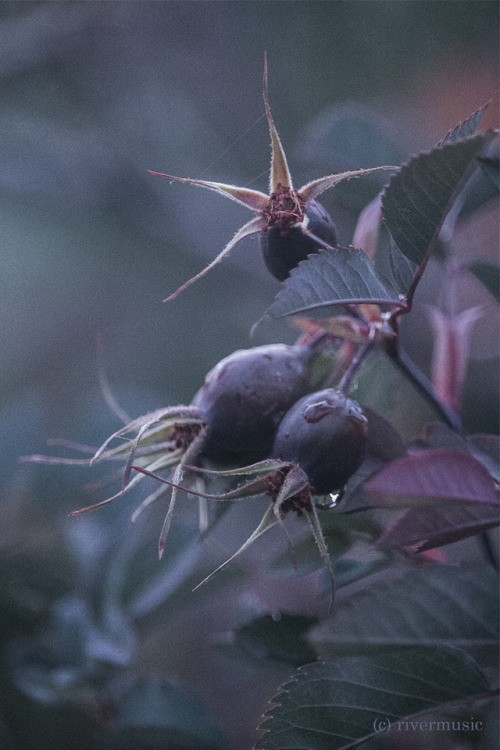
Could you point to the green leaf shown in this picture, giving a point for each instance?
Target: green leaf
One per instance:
(434, 605)
(330, 278)
(467, 128)
(402, 269)
(339, 704)
(419, 196)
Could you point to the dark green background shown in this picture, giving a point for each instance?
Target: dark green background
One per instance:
(95, 93)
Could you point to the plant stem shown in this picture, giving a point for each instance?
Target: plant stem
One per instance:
(355, 364)
(424, 386)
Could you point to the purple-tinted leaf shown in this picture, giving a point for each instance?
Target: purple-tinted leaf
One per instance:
(331, 278)
(420, 529)
(486, 448)
(432, 475)
(451, 352)
(419, 196)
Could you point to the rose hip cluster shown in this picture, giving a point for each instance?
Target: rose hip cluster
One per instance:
(259, 405)
(255, 414)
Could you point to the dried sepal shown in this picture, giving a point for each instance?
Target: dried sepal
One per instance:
(253, 199)
(267, 522)
(163, 439)
(261, 467)
(319, 538)
(285, 207)
(191, 452)
(285, 483)
(279, 173)
(313, 189)
(164, 462)
(251, 227)
(165, 419)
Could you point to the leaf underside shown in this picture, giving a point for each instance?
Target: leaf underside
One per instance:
(426, 476)
(336, 705)
(331, 278)
(442, 523)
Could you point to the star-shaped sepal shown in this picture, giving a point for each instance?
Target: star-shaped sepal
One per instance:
(290, 222)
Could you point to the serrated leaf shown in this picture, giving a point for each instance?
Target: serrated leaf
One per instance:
(467, 128)
(437, 604)
(419, 196)
(402, 269)
(340, 704)
(483, 185)
(331, 278)
(430, 475)
(420, 529)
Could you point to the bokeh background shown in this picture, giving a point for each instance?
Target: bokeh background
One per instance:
(93, 95)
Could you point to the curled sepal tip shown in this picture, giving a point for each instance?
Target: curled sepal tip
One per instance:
(279, 174)
(317, 531)
(267, 522)
(251, 227)
(253, 199)
(313, 189)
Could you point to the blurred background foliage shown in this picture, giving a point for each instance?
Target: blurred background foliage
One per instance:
(102, 646)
